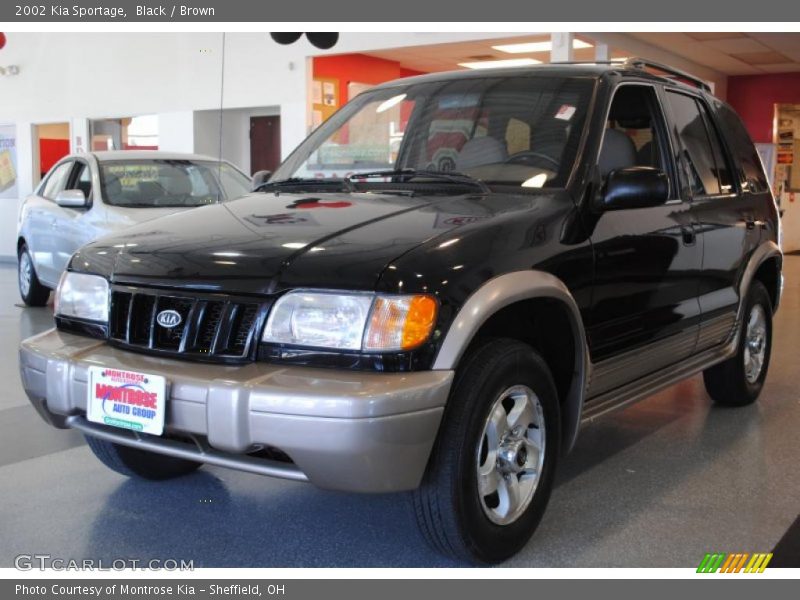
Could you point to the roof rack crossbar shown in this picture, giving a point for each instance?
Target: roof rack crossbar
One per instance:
(641, 63)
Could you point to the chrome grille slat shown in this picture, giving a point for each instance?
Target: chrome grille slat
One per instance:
(213, 327)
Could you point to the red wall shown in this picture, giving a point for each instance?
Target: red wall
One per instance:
(50, 152)
(754, 97)
(359, 68)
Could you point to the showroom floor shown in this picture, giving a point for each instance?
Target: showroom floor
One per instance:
(656, 485)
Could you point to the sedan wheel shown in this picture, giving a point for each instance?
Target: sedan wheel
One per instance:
(31, 291)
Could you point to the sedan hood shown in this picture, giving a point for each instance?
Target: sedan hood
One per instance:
(262, 243)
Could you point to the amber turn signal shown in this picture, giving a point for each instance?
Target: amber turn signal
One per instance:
(400, 322)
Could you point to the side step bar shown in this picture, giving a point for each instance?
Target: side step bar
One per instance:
(196, 453)
(626, 395)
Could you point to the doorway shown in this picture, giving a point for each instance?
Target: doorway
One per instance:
(50, 144)
(265, 143)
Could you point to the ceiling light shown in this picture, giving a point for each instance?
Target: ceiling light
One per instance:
(499, 64)
(537, 47)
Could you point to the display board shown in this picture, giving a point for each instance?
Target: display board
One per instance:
(8, 161)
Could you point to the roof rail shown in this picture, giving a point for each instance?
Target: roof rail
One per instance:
(643, 63)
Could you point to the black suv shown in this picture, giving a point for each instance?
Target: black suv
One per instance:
(432, 294)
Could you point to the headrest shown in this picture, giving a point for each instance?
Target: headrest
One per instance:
(618, 152)
(481, 151)
(629, 108)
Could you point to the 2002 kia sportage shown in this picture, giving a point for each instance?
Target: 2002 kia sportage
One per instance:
(432, 294)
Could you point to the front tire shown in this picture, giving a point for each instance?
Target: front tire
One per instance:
(141, 464)
(32, 292)
(490, 475)
(738, 380)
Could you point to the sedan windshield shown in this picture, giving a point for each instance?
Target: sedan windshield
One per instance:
(165, 183)
(521, 131)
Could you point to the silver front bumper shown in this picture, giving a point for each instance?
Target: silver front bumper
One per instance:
(345, 430)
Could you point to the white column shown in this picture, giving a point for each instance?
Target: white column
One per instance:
(561, 47)
(79, 135)
(601, 52)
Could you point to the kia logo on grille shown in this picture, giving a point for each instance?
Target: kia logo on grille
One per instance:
(169, 318)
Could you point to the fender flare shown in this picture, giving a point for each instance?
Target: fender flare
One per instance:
(761, 254)
(505, 290)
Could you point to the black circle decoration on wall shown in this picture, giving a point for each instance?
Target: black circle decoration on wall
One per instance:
(321, 40)
(285, 38)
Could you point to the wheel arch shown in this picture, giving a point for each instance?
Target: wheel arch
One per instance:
(528, 306)
(765, 265)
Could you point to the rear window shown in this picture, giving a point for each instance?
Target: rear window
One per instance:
(749, 168)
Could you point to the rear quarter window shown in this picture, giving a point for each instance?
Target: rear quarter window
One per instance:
(748, 167)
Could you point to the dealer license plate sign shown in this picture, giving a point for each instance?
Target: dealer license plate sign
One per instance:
(127, 399)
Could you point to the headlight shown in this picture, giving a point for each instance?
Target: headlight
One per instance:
(82, 296)
(358, 322)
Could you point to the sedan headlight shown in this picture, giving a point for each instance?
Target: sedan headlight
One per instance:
(82, 296)
(356, 322)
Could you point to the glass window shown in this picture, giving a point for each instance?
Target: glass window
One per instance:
(83, 179)
(750, 170)
(634, 131)
(163, 182)
(705, 166)
(521, 131)
(234, 182)
(57, 180)
(128, 133)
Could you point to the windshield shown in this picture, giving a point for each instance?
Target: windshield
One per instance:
(521, 131)
(164, 183)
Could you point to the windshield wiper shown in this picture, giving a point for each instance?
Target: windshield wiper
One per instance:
(300, 181)
(409, 174)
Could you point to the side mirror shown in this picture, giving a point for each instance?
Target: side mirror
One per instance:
(635, 187)
(260, 178)
(72, 199)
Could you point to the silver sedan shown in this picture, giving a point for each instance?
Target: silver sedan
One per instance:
(87, 196)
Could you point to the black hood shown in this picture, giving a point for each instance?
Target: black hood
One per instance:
(262, 243)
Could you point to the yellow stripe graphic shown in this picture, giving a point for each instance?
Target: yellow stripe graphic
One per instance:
(749, 566)
(765, 563)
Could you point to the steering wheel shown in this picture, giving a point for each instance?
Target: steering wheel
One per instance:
(527, 156)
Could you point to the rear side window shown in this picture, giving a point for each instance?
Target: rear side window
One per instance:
(705, 166)
(749, 169)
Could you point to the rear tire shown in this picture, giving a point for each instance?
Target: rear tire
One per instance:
(32, 292)
(478, 500)
(738, 380)
(133, 462)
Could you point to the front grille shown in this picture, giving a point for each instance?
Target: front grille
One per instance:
(212, 327)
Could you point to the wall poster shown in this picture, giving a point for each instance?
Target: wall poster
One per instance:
(8, 161)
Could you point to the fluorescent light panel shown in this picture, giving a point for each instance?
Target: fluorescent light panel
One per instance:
(537, 47)
(498, 64)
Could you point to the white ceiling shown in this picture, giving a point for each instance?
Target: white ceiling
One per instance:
(733, 53)
(445, 57)
(726, 53)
